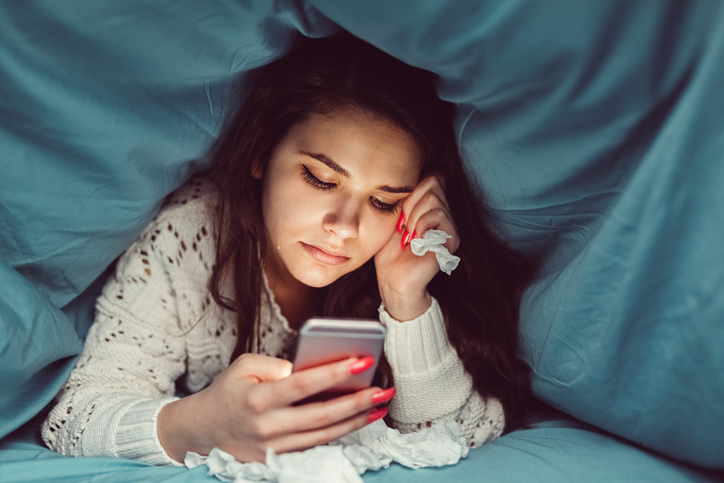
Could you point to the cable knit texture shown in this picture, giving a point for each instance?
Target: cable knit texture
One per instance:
(157, 325)
(431, 383)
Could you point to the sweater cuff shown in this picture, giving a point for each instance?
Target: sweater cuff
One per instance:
(430, 379)
(137, 436)
(419, 346)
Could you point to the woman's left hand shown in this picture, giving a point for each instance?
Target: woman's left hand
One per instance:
(402, 276)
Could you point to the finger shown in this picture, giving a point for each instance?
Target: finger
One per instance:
(438, 219)
(316, 415)
(427, 195)
(429, 201)
(309, 439)
(308, 382)
(442, 218)
(260, 367)
(430, 183)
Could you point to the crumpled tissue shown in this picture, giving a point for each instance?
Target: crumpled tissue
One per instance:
(432, 241)
(342, 461)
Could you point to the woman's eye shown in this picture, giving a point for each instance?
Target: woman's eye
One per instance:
(384, 207)
(323, 185)
(314, 181)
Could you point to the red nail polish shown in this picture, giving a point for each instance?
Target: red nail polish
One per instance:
(361, 365)
(414, 235)
(405, 239)
(375, 415)
(400, 222)
(383, 396)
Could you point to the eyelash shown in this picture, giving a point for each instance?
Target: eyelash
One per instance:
(314, 181)
(323, 185)
(384, 207)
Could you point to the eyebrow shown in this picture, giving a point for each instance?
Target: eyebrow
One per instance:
(339, 169)
(324, 159)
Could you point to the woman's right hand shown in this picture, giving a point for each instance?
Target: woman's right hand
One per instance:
(249, 408)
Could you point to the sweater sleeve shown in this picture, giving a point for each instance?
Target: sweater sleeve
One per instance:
(432, 384)
(133, 354)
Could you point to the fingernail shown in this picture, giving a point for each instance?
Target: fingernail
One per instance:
(405, 239)
(400, 222)
(361, 365)
(414, 235)
(383, 396)
(375, 415)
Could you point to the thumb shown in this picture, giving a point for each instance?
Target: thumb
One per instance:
(260, 367)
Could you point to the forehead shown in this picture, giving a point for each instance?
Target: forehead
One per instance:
(359, 141)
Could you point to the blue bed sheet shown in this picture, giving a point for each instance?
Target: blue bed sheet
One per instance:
(558, 449)
(595, 129)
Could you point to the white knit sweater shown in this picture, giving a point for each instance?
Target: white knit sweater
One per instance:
(157, 324)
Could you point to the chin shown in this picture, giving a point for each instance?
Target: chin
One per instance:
(318, 277)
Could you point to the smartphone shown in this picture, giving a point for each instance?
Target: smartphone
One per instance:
(323, 340)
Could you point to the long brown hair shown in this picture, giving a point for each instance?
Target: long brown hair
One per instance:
(480, 300)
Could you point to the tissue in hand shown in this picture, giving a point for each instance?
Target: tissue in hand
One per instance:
(433, 241)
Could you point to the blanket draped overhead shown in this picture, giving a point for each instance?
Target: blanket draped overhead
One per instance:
(595, 129)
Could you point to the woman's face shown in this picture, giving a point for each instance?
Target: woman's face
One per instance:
(332, 193)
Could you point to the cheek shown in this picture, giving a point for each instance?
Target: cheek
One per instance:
(380, 228)
(295, 215)
(283, 204)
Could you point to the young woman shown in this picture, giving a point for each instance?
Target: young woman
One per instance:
(337, 157)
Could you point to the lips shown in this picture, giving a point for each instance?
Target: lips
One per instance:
(325, 255)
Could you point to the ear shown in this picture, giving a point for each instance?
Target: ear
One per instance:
(257, 171)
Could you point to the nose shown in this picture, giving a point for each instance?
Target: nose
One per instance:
(343, 218)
